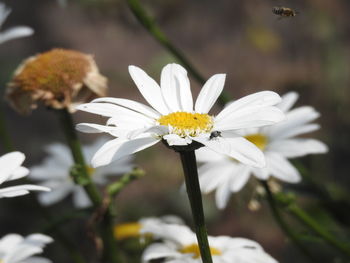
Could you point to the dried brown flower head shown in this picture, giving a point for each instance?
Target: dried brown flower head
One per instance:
(59, 79)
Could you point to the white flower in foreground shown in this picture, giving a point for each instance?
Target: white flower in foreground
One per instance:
(54, 173)
(180, 246)
(278, 142)
(137, 229)
(11, 169)
(14, 32)
(17, 249)
(174, 119)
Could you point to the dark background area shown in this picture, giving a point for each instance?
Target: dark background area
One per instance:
(308, 53)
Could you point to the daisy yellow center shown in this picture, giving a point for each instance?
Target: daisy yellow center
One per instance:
(127, 230)
(187, 124)
(194, 249)
(258, 139)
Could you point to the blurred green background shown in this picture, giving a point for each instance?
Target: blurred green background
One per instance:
(308, 53)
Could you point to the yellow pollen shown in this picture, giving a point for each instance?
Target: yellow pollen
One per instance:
(185, 123)
(90, 171)
(127, 230)
(194, 249)
(258, 139)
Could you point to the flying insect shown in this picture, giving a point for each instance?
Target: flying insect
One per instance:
(283, 11)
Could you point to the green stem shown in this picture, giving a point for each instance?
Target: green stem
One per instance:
(151, 26)
(106, 227)
(283, 225)
(115, 188)
(4, 135)
(318, 229)
(189, 165)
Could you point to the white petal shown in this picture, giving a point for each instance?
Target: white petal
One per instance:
(118, 148)
(250, 118)
(207, 155)
(20, 190)
(174, 139)
(56, 195)
(132, 105)
(97, 128)
(237, 148)
(15, 32)
(9, 163)
(295, 131)
(281, 168)
(149, 89)
(210, 93)
(213, 174)
(240, 178)
(175, 87)
(20, 172)
(222, 195)
(292, 148)
(294, 119)
(156, 251)
(288, 101)
(109, 110)
(80, 198)
(254, 101)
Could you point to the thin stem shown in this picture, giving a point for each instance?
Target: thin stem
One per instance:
(115, 188)
(106, 226)
(189, 165)
(151, 26)
(4, 135)
(283, 225)
(318, 229)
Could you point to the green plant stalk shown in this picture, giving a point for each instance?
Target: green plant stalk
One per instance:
(189, 165)
(4, 135)
(106, 227)
(151, 26)
(309, 222)
(283, 225)
(115, 188)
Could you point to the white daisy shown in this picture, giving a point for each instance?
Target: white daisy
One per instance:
(14, 32)
(54, 173)
(278, 142)
(174, 119)
(11, 169)
(17, 249)
(179, 245)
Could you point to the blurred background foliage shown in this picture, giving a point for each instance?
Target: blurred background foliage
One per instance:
(308, 53)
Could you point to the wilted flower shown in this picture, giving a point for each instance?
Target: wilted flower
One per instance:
(17, 249)
(54, 173)
(11, 169)
(58, 78)
(175, 120)
(14, 32)
(278, 142)
(180, 245)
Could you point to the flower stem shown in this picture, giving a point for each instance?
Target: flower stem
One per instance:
(189, 165)
(151, 26)
(289, 205)
(318, 229)
(110, 254)
(283, 225)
